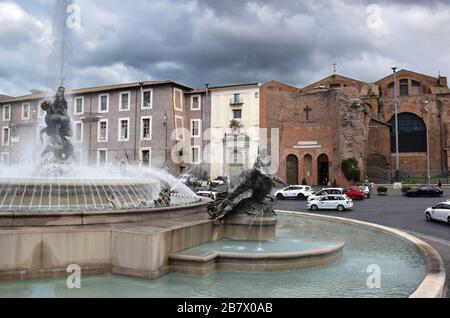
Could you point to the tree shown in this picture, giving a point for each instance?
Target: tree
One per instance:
(350, 168)
(235, 125)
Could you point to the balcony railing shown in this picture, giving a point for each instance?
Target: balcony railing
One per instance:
(236, 101)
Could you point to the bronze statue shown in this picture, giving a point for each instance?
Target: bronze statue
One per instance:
(58, 127)
(250, 197)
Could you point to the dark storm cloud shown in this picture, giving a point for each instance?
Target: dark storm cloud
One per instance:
(231, 41)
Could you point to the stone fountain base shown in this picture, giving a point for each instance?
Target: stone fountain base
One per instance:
(245, 227)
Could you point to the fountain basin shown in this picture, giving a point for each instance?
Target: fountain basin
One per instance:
(58, 202)
(410, 267)
(256, 258)
(244, 227)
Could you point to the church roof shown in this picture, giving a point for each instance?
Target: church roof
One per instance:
(331, 78)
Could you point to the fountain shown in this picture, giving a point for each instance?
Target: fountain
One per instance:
(118, 225)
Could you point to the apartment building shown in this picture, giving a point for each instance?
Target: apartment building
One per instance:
(139, 123)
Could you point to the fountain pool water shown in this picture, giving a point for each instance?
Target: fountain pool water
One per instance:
(90, 189)
(403, 269)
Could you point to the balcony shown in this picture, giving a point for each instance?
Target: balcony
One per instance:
(236, 102)
(90, 117)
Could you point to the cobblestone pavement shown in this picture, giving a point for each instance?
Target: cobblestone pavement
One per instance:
(398, 212)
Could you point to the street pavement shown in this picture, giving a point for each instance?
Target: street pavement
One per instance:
(397, 211)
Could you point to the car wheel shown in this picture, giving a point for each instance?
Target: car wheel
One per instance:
(301, 197)
(314, 208)
(448, 220)
(428, 217)
(280, 196)
(340, 208)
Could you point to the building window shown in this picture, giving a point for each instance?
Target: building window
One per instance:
(195, 155)
(237, 114)
(103, 130)
(124, 101)
(102, 157)
(124, 129)
(4, 159)
(78, 132)
(6, 136)
(179, 126)
(25, 111)
(415, 88)
(404, 87)
(237, 98)
(146, 128)
(79, 105)
(196, 102)
(6, 113)
(147, 99)
(196, 125)
(103, 101)
(390, 92)
(334, 86)
(178, 99)
(256, 95)
(146, 157)
(412, 133)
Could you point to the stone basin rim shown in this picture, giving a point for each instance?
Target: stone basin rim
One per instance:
(434, 283)
(339, 244)
(76, 181)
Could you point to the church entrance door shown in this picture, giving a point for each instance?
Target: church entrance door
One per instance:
(323, 165)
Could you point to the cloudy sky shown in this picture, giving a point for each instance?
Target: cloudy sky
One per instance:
(224, 41)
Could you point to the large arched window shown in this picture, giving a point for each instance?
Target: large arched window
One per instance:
(412, 133)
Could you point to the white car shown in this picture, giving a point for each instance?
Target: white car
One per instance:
(208, 194)
(366, 190)
(331, 202)
(440, 212)
(295, 192)
(326, 191)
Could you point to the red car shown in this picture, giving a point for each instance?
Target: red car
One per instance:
(355, 194)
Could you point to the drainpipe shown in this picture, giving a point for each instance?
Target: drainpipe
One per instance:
(203, 125)
(90, 130)
(136, 122)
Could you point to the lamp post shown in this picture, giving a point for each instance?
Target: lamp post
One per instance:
(397, 167)
(426, 111)
(166, 124)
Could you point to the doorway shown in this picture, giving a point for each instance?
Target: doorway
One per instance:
(292, 170)
(323, 166)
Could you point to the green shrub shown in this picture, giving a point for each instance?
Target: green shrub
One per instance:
(382, 189)
(351, 170)
(304, 182)
(335, 184)
(406, 189)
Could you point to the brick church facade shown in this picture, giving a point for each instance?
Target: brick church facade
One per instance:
(340, 118)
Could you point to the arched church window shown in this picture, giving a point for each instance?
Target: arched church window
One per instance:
(390, 90)
(412, 133)
(404, 87)
(415, 88)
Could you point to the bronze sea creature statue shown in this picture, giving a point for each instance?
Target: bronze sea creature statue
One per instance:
(251, 196)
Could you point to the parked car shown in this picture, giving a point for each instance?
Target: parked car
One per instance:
(331, 202)
(432, 191)
(326, 191)
(208, 194)
(295, 192)
(440, 212)
(367, 190)
(355, 193)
